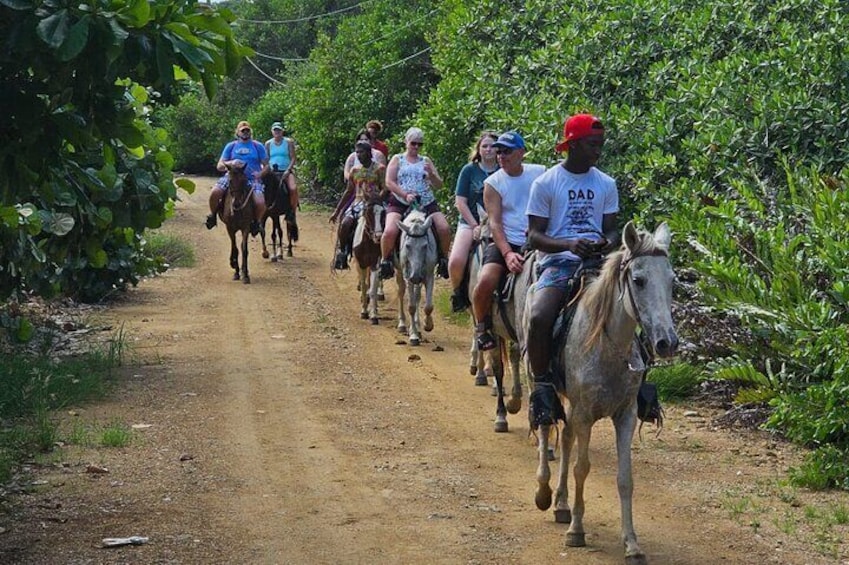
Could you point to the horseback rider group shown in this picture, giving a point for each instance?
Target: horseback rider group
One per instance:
(566, 213)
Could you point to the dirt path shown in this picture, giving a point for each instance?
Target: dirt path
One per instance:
(274, 426)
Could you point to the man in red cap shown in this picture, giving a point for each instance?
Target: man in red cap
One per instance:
(572, 214)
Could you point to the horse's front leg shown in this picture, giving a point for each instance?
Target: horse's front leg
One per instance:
(575, 536)
(373, 287)
(413, 312)
(562, 512)
(402, 291)
(428, 308)
(542, 498)
(234, 256)
(246, 277)
(515, 356)
(362, 275)
(477, 363)
(496, 361)
(624, 425)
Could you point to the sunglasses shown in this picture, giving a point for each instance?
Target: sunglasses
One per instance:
(503, 150)
(243, 130)
(417, 143)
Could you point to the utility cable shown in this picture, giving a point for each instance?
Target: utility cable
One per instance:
(307, 18)
(405, 59)
(263, 73)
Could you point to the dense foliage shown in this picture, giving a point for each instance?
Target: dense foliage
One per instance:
(82, 171)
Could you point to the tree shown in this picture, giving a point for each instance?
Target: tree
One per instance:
(83, 172)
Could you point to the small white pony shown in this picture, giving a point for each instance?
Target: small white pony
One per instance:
(417, 262)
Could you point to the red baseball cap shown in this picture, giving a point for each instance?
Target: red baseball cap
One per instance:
(577, 127)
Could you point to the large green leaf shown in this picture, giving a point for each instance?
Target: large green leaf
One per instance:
(185, 184)
(136, 13)
(57, 223)
(76, 40)
(54, 29)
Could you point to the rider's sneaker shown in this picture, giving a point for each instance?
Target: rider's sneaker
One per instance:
(459, 301)
(387, 271)
(254, 228)
(442, 268)
(545, 406)
(211, 221)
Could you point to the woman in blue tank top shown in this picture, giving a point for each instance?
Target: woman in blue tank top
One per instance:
(281, 152)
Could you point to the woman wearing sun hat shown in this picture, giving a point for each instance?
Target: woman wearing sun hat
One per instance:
(251, 153)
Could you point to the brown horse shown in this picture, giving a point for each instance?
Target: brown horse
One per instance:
(366, 250)
(277, 199)
(237, 213)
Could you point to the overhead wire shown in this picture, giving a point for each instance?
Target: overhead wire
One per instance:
(307, 18)
(263, 73)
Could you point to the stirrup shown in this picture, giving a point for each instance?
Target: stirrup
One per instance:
(442, 267)
(211, 221)
(387, 271)
(459, 301)
(484, 339)
(545, 406)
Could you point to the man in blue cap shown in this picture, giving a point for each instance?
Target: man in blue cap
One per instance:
(505, 196)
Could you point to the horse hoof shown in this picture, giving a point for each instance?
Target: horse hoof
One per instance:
(563, 516)
(481, 380)
(364, 315)
(236, 277)
(415, 341)
(542, 498)
(402, 329)
(428, 325)
(246, 280)
(375, 321)
(636, 559)
(473, 370)
(274, 259)
(265, 255)
(575, 539)
(501, 426)
(514, 405)
(289, 254)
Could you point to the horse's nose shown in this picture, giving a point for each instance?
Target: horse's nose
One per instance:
(666, 347)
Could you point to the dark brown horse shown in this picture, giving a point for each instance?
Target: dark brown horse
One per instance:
(237, 213)
(277, 199)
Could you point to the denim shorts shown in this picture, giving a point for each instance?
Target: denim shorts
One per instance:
(557, 274)
(224, 183)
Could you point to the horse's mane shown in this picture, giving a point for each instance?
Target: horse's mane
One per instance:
(601, 293)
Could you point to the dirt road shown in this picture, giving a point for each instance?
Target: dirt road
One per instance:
(275, 426)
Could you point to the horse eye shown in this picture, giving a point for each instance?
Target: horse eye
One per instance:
(640, 282)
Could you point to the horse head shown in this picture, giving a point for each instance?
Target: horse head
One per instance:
(418, 247)
(486, 230)
(373, 215)
(238, 179)
(647, 277)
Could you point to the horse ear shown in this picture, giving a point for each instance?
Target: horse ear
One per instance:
(403, 227)
(427, 223)
(662, 236)
(630, 236)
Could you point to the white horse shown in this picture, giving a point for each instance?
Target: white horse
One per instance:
(366, 251)
(417, 262)
(603, 372)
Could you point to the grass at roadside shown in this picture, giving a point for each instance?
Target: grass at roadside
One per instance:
(34, 385)
(174, 251)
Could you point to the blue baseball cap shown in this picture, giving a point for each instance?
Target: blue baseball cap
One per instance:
(511, 140)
